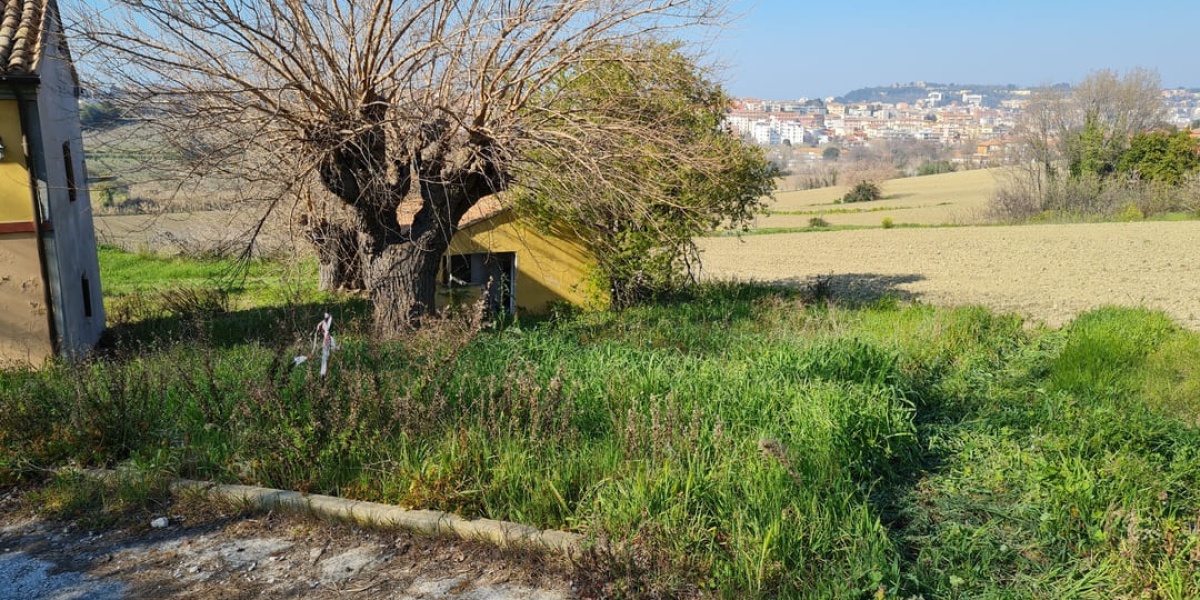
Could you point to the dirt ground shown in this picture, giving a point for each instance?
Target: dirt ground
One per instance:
(199, 232)
(1047, 273)
(229, 557)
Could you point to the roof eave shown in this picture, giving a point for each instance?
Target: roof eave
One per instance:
(488, 216)
(20, 78)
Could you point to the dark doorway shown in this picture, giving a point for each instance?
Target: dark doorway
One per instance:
(495, 274)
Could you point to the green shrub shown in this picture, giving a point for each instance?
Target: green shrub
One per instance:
(1131, 212)
(863, 191)
(817, 222)
(888, 223)
(936, 167)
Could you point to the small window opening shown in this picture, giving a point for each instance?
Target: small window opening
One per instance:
(87, 296)
(69, 167)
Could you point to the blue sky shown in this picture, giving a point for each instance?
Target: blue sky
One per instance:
(786, 49)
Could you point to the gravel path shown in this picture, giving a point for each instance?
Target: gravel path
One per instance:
(1048, 273)
(261, 557)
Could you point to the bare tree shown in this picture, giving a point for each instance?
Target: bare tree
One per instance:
(1062, 129)
(1044, 122)
(418, 107)
(1120, 105)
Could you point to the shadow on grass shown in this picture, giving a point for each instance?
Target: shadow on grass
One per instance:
(264, 325)
(853, 289)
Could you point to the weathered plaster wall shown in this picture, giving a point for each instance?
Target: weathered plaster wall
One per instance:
(24, 324)
(71, 247)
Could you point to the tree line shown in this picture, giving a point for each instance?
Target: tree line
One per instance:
(1103, 149)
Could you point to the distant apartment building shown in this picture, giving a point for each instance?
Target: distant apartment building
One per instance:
(765, 132)
(769, 128)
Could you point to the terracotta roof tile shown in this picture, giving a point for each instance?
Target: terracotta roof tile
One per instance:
(487, 207)
(21, 26)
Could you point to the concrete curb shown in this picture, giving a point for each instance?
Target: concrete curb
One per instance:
(501, 533)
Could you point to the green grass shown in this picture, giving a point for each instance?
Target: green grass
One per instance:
(735, 439)
(145, 291)
(1175, 216)
(126, 273)
(850, 211)
(811, 229)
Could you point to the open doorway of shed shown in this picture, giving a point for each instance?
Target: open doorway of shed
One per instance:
(493, 273)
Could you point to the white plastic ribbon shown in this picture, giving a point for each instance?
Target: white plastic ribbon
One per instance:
(324, 339)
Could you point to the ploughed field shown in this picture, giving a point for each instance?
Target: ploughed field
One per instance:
(1048, 273)
(959, 198)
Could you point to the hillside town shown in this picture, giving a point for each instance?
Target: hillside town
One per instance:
(978, 124)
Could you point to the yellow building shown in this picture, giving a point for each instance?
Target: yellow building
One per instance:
(521, 269)
(50, 299)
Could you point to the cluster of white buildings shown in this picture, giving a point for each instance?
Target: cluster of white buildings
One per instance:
(949, 118)
(813, 123)
(777, 128)
(1183, 107)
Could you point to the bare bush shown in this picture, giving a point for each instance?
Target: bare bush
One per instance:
(1021, 196)
(811, 177)
(1017, 198)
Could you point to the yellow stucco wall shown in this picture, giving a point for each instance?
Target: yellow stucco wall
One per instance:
(16, 200)
(24, 322)
(550, 267)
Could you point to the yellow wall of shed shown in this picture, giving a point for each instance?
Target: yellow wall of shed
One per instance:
(551, 267)
(24, 321)
(16, 199)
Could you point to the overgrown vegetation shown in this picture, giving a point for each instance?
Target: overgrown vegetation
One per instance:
(646, 248)
(424, 110)
(740, 441)
(863, 191)
(1101, 152)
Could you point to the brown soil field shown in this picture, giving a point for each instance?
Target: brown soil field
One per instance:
(211, 231)
(1047, 273)
(952, 198)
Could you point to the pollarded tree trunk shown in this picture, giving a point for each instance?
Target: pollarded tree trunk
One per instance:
(402, 279)
(340, 264)
(402, 262)
(340, 273)
(440, 174)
